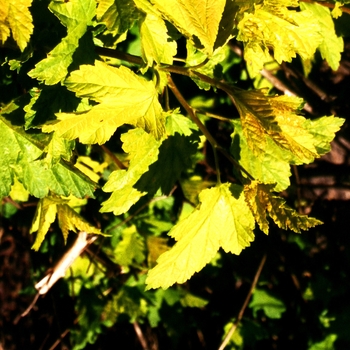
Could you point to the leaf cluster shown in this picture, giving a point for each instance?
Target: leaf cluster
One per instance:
(116, 116)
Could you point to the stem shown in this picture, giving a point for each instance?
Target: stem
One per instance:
(197, 121)
(113, 157)
(245, 304)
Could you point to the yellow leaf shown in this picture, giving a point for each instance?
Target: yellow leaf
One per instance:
(15, 16)
(222, 220)
(196, 19)
(261, 200)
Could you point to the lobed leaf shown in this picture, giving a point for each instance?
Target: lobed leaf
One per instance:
(70, 220)
(273, 25)
(125, 98)
(24, 157)
(271, 167)
(331, 46)
(15, 17)
(143, 150)
(76, 15)
(261, 201)
(45, 215)
(222, 220)
(198, 20)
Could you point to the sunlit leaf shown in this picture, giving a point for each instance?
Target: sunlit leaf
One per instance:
(143, 150)
(263, 201)
(131, 248)
(286, 31)
(23, 157)
(331, 45)
(197, 19)
(222, 220)
(272, 167)
(125, 98)
(70, 220)
(45, 215)
(76, 15)
(16, 18)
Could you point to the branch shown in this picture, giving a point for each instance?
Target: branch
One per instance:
(244, 306)
(59, 270)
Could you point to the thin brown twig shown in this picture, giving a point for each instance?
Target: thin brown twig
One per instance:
(245, 304)
(140, 336)
(113, 157)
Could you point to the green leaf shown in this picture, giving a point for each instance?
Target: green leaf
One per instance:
(331, 45)
(190, 300)
(177, 123)
(222, 220)
(47, 101)
(76, 15)
(196, 57)
(24, 157)
(271, 167)
(326, 344)
(272, 306)
(175, 155)
(196, 19)
(125, 98)
(143, 150)
(15, 17)
(261, 200)
(273, 25)
(131, 248)
(70, 220)
(45, 215)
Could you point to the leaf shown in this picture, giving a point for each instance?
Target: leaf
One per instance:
(272, 306)
(222, 220)
(273, 25)
(278, 118)
(196, 57)
(76, 15)
(45, 215)
(23, 157)
(131, 248)
(47, 101)
(323, 131)
(261, 200)
(326, 344)
(156, 44)
(16, 17)
(177, 123)
(143, 150)
(70, 220)
(175, 155)
(118, 15)
(125, 99)
(272, 167)
(196, 19)
(331, 45)
(155, 246)
(190, 300)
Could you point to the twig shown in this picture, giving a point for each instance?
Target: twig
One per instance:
(140, 336)
(244, 306)
(59, 270)
(113, 157)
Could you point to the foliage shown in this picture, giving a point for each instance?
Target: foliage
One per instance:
(108, 129)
